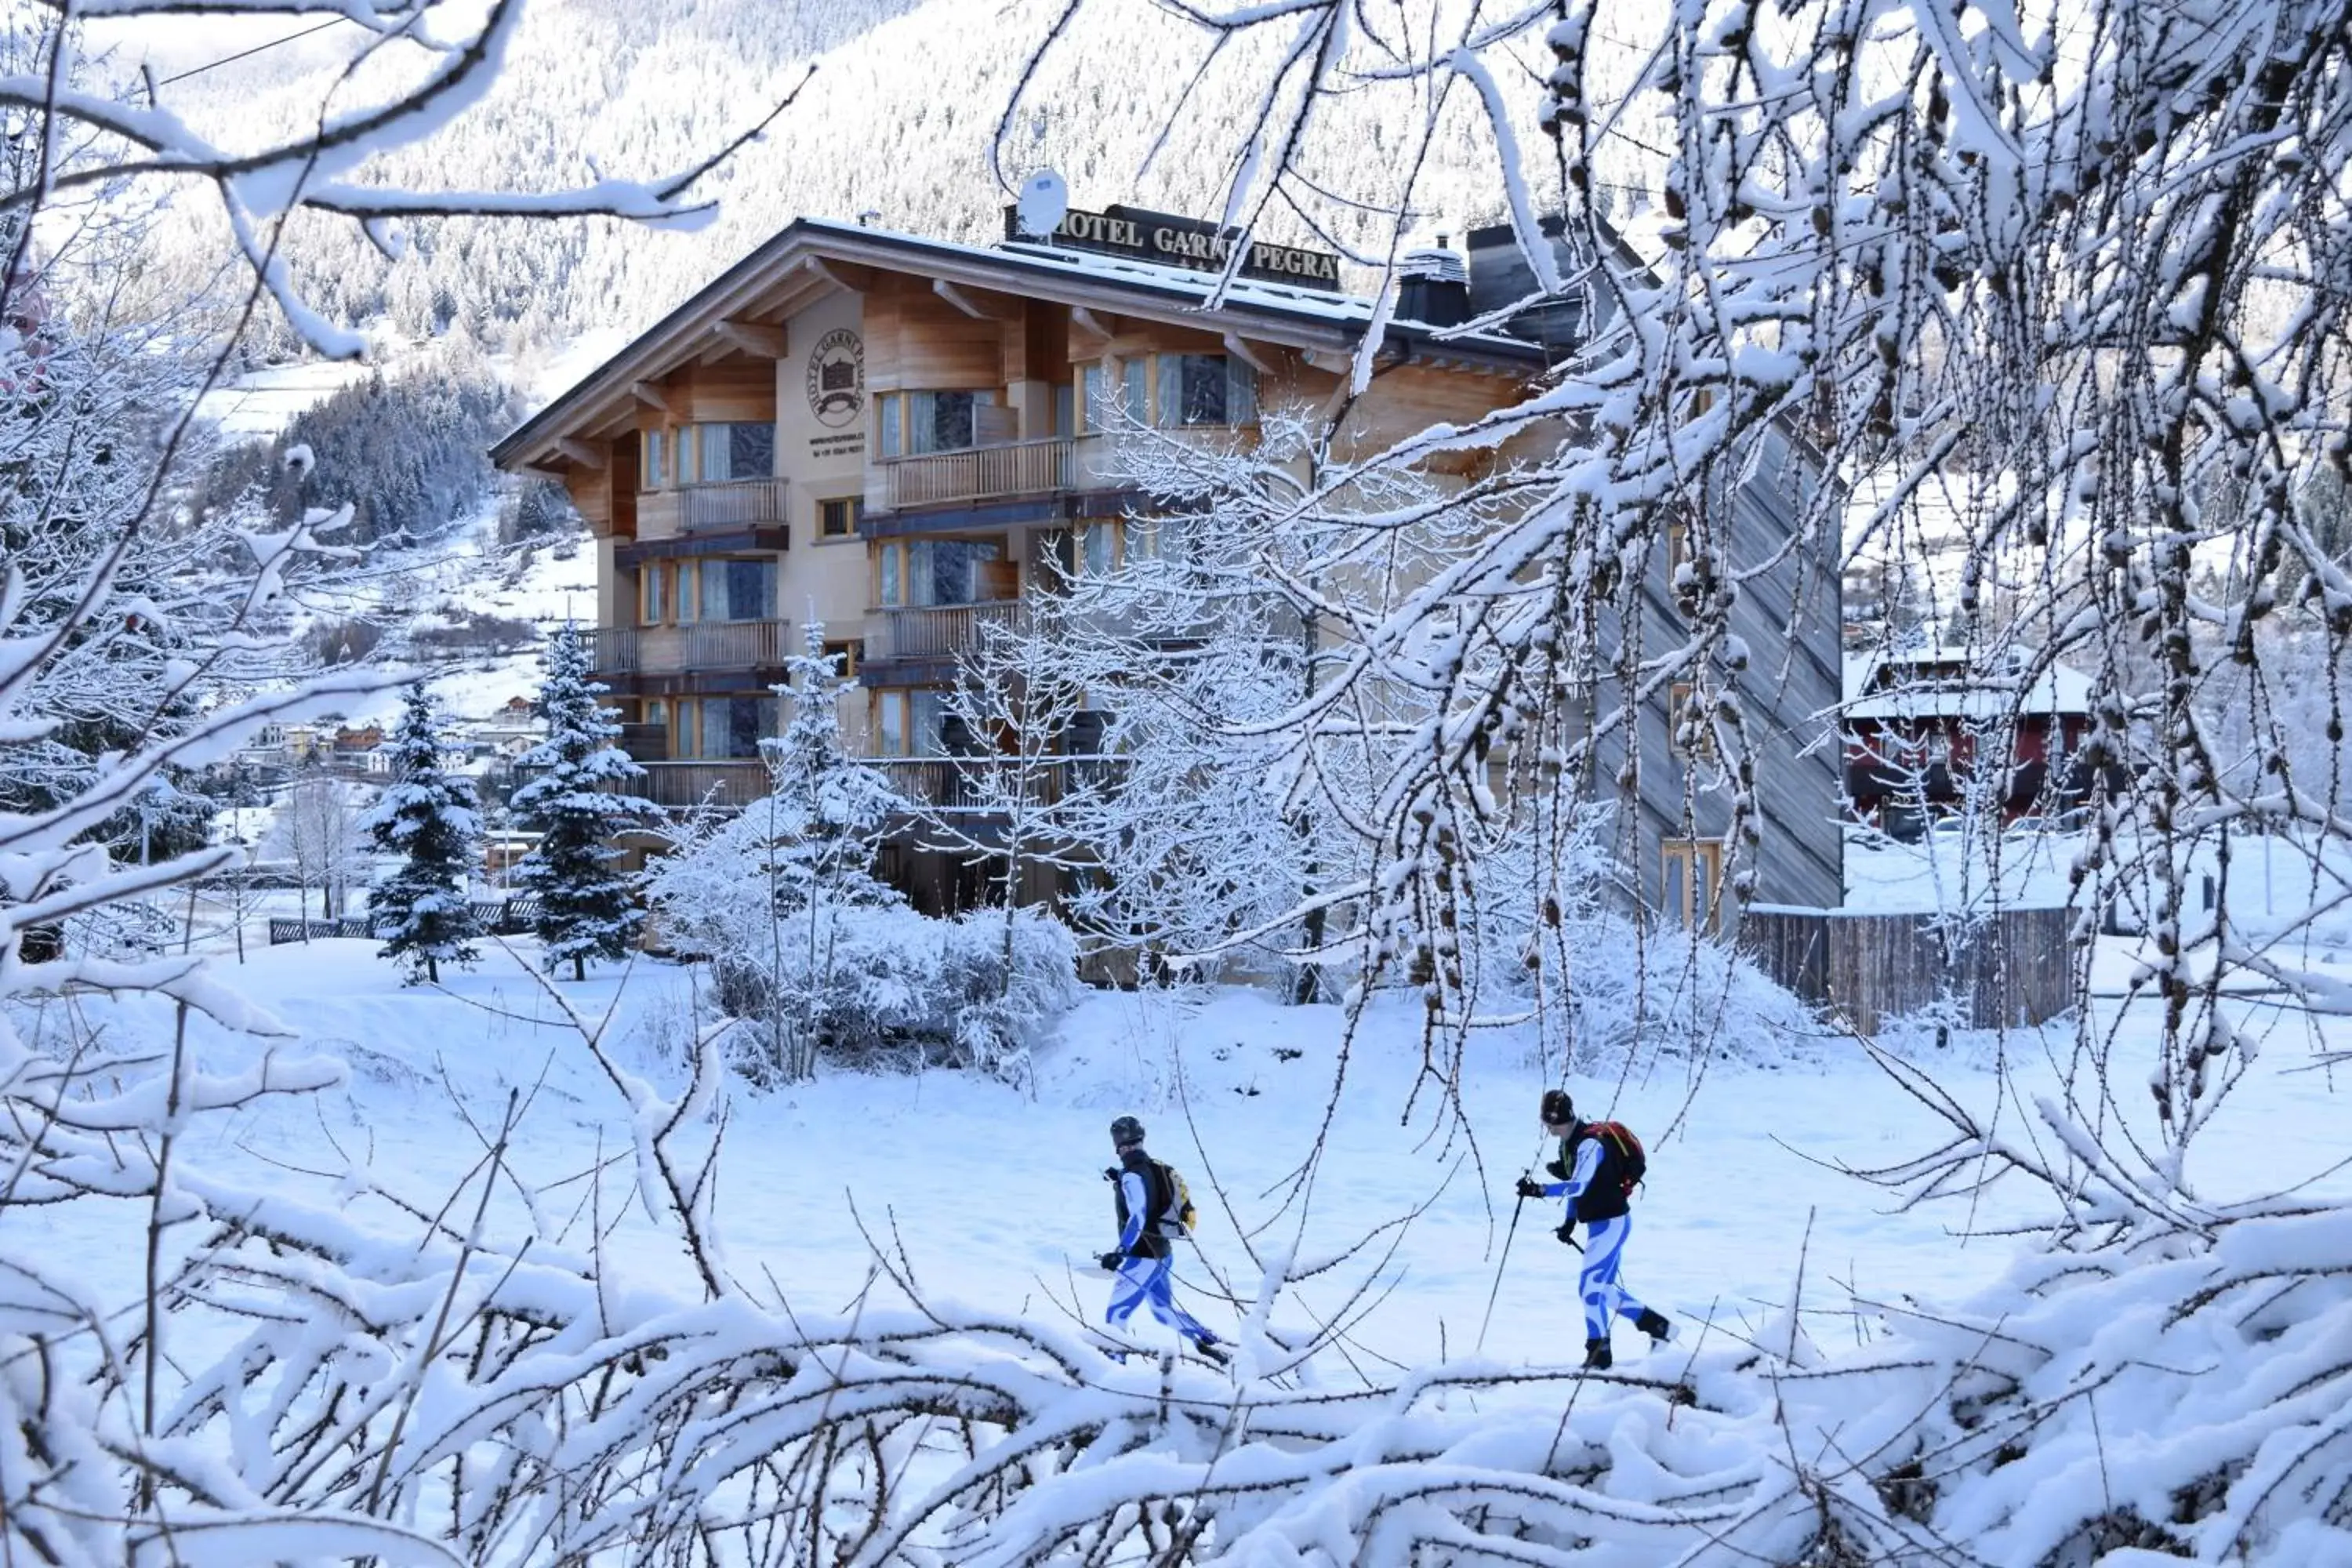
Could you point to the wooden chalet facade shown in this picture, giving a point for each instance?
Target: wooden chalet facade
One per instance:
(891, 435)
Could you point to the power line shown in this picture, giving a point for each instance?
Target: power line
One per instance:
(257, 49)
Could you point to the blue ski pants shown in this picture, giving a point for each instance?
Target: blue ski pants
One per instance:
(1604, 1293)
(1149, 1282)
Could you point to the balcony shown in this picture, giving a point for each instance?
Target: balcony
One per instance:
(989, 783)
(936, 631)
(730, 784)
(682, 650)
(966, 785)
(977, 473)
(733, 506)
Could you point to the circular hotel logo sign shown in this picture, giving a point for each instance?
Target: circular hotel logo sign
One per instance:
(837, 378)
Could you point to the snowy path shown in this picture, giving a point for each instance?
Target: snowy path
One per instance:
(999, 1200)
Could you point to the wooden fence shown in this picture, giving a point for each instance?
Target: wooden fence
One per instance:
(511, 917)
(2015, 967)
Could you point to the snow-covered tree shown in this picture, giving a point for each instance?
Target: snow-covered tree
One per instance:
(318, 827)
(587, 905)
(428, 818)
(2073, 279)
(764, 894)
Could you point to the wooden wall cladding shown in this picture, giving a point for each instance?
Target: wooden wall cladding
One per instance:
(916, 342)
(591, 496)
(741, 387)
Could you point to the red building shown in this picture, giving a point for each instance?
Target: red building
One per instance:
(1917, 723)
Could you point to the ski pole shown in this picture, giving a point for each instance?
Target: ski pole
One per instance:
(1497, 1290)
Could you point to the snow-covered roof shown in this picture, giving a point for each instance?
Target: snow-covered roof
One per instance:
(792, 268)
(1979, 683)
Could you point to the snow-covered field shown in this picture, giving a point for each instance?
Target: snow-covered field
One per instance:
(997, 1194)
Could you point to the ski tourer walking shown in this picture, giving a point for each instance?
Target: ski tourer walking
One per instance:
(1152, 1206)
(1599, 1163)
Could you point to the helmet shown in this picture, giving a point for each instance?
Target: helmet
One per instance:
(1126, 1133)
(1558, 1110)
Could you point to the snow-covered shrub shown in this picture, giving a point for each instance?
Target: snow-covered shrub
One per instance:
(891, 988)
(827, 961)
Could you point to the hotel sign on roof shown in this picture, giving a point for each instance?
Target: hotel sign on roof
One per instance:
(1139, 234)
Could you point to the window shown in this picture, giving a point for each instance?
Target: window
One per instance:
(656, 442)
(939, 421)
(909, 723)
(729, 727)
(845, 656)
(653, 592)
(737, 591)
(1206, 389)
(925, 572)
(1687, 723)
(1690, 875)
(1678, 551)
(838, 518)
(1064, 411)
(1098, 549)
(1095, 381)
(1153, 539)
(740, 450)
(914, 423)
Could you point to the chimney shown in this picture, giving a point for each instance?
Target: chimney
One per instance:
(1433, 287)
(1500, 277)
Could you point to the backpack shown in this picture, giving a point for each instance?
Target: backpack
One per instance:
(1177, 1216)
(1181, 1216)
(1618, 1139)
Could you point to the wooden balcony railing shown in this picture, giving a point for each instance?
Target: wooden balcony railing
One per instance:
(731, 785)
(703, 645)
(991, 783)
(938, 631)
(974, 784)
(977, 473)
(706, 508)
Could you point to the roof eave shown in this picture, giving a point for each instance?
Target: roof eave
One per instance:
(532, 441)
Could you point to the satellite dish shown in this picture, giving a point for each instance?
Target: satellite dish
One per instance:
(1044, 199)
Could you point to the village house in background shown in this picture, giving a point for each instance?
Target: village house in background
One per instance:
(1930, 728)
(903, 437)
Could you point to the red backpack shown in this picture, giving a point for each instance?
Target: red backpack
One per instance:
(1618, 1139)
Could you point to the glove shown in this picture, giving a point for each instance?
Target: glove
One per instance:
(1559, 1169)
(1530, 1188)
(1111, 1261)
(1566, 1233)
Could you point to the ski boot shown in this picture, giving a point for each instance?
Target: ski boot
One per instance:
(1596, 1355)
(1655, 1324)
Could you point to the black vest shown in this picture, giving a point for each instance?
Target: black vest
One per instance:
(1604, 1196)
(1158, 1195)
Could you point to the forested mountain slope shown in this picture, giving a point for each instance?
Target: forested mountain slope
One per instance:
(896, 121)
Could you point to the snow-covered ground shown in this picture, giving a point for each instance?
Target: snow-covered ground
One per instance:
(259, 403)
(998, 1198)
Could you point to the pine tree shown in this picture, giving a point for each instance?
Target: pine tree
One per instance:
(836, 807)
(585, 908)
(429, 819)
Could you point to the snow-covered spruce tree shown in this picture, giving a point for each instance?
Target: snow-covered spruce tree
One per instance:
(587, 906)
(428, 818)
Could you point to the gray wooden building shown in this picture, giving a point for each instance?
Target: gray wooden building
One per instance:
(1673, 826)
